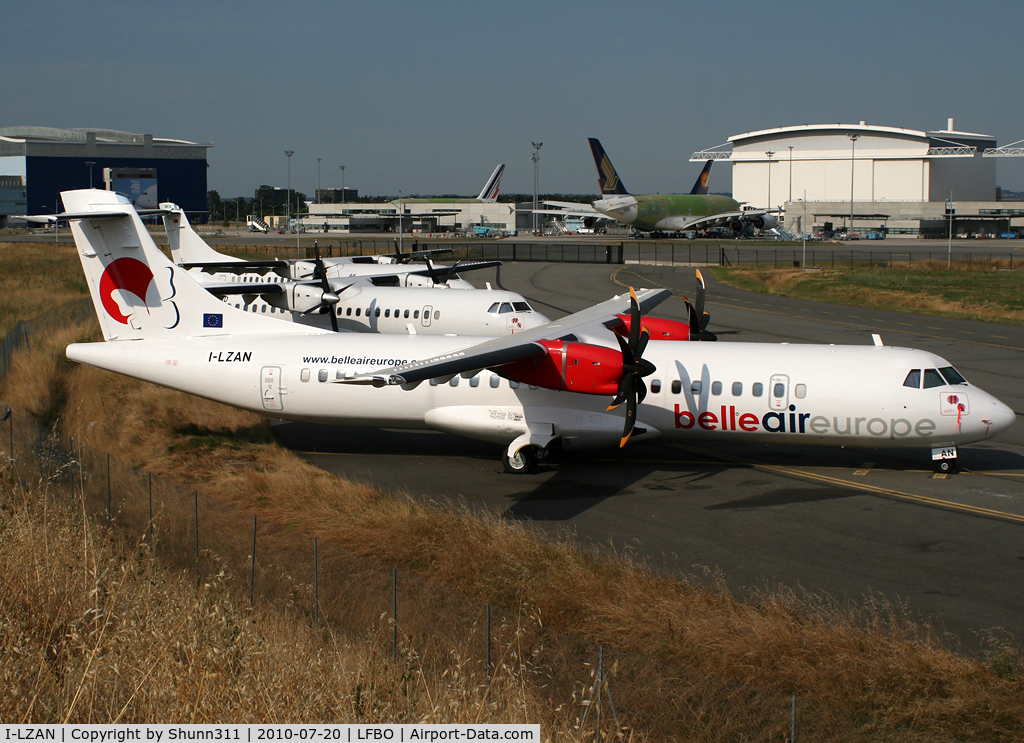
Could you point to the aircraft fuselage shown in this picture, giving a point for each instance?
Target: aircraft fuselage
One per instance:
(850, 395)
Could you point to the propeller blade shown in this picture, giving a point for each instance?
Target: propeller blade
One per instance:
(450, 272)
(432, 272)
(635, 320)
(627, 429)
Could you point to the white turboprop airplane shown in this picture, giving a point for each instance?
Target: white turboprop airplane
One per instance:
(189, 250)
(528, 391)
(356, 303)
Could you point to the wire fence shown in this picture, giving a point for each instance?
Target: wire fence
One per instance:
(815, 255)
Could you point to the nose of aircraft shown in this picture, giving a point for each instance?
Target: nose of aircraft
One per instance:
(999, 418)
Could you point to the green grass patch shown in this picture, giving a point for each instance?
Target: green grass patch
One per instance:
(931, 289)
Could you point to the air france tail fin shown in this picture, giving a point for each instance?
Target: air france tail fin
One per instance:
(489, 193)
(607, 179)
(137, 292)
(186, 245)
(700, 188)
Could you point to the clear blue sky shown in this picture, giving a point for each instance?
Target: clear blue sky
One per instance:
(425, 97)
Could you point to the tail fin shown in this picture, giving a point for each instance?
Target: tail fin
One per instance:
(700, 188)
(186, 245)
(489, 193)
(607, 179)
(138, 293)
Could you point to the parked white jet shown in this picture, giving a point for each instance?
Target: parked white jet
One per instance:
(189, 250)
(529, 391)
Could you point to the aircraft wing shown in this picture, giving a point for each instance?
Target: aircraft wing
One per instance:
(506, 349)
(457, 268)
(223, 289)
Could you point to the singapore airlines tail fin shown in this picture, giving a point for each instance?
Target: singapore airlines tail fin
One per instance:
(137, 292)
(489, 192)
(700, 188)
(186, 246)
(607, 179)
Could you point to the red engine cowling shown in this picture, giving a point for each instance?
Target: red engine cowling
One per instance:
(659, 328)
(572, 367)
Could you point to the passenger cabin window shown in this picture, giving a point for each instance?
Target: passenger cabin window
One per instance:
(454, 381)
(952, 375)
(677, 386)
(376, 312)
(932, 378)
(304, 375)
(406, 315)
(757, 389)
(716, 388)
(779, 390)
(321, 376)
(416, 315)
(696, 387)
(801, 391)
(495, 380)
(359, 311)
(913, 379)
(474, 381)
(387, 313)
(655, 385)
(437, 314)
(433, 383)
(737, 389)
(513, 384)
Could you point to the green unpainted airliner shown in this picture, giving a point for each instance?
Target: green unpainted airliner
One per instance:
(659, 213)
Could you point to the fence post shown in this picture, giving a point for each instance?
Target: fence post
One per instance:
(792, 721)
(252, 569)
(196, 495)
(316, 584)
(110, 516)
(150, 509)
(10, 419)
(488, 643)
(394, 612)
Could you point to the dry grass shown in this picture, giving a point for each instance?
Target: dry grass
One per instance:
(970, 291)
(35, 277)
(92, 630)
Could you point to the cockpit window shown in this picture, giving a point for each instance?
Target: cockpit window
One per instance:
(952, 375)
(505, 307)
(913, 379)
(493, 307)
(522, 307)
(932, 378)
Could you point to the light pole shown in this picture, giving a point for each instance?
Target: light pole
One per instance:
(89, 164)
(853, 147)
(288, 209)
(791, 174)
(318, 180)
(342, 168)
(769, 153)
(536, 163)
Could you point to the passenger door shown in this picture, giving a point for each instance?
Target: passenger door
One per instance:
(778, 392)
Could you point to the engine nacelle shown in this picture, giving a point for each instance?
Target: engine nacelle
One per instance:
(764, 221)
(736, 226)
(659, 328)
(570, 367)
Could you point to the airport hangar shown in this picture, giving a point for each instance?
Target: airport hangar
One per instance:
(418, 216)
(886, 177)
(37, 163)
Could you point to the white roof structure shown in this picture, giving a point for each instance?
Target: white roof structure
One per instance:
(858, 162)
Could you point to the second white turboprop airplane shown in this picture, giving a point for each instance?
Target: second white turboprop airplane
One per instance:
(189, 250)
(529, 391)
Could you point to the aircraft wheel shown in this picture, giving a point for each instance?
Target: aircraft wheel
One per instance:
(945, 466)
(523, 462)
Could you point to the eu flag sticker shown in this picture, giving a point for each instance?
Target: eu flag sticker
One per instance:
(213, 320)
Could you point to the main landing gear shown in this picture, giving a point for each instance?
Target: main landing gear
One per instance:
(523, 462)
